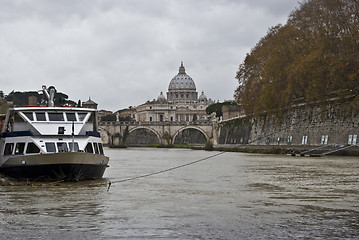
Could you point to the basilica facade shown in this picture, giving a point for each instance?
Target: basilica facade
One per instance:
(181, 103)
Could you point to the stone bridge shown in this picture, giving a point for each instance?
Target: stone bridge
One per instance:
(144, 133)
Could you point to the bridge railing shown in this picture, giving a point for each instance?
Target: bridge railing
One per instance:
(163, 123)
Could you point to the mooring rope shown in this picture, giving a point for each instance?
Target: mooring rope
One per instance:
(163, 171)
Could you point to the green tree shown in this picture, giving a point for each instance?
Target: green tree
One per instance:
(217, 108)
(22, 98)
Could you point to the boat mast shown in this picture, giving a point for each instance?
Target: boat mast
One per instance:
(73, 137)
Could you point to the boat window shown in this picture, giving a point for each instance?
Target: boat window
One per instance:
(82, 116)
(96, 148)
(32, 148)
(101, 148)
(62, 147)
(71, 117)
(90, 119)
(61, 130)
(50, 147)
(9, 147)
(18, 118)
(89, 148)
(29, 116)
(19, 148)
(76, 146)
(40, 116)
(56, 117)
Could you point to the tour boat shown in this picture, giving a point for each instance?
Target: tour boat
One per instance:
(51, 143)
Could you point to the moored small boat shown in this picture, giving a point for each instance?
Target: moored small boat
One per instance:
(51, 143)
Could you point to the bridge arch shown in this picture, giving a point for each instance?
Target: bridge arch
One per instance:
(202, 139)
(107, 136)
(146, 134)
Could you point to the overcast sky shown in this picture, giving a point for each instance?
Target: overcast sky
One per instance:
(124, 52)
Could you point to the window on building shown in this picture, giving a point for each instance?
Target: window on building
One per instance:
(161, 118)
(352, 139)
(150, 119)
(290, 139)
(305, 140)
(355, 139)
(324, 140)
(32, 148)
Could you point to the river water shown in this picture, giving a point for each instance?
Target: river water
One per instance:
(230, 196)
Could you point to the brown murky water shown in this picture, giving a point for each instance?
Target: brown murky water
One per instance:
(231, 196)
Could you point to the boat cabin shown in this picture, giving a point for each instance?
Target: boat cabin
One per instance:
(34, 130)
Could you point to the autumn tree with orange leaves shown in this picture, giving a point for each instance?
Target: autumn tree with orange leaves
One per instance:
(313, 57)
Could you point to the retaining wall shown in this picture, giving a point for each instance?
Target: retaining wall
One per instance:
(312, 125)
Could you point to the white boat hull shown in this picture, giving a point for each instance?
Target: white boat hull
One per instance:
(67, 166)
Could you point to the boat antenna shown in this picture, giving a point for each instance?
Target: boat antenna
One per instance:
(73, 137)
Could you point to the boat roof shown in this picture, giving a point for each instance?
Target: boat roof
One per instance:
(39, 108)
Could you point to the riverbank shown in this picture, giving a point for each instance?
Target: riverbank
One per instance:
(295, 150)
(247, 149)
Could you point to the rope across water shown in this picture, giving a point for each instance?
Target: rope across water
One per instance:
(162, 171)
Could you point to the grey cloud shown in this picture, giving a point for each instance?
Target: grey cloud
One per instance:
(124, 53)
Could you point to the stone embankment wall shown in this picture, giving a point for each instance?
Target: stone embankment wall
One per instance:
(312, 125)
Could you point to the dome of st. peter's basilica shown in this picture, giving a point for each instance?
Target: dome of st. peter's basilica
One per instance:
(182, 81)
